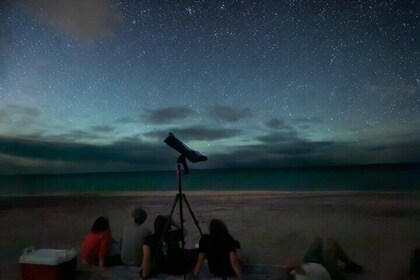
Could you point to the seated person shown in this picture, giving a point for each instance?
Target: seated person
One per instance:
(162, 253)
(96, 246)
(221, 251)
(321, 262)
(134, 233)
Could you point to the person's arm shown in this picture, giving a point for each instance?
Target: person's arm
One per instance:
(177, 225)
(104, 249)
(199, 264)
(101, 263)
(299, 270)
(146, 262)
(234, 262)
(301, 276)
(295, 264)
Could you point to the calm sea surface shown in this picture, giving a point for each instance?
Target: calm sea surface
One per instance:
(357, 178)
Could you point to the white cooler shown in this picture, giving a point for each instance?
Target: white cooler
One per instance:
(48, 264)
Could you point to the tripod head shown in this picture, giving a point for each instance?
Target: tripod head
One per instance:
(181, 160)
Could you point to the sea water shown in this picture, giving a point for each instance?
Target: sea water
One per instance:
(392, 178)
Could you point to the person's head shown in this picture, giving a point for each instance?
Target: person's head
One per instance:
(100, 224)
(160, 223)
(139, 215)
(218, 228)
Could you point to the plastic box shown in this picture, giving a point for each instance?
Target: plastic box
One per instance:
(48, 264)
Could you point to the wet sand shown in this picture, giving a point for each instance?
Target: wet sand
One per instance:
(378, 230)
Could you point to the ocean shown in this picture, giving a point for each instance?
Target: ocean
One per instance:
(383, 178)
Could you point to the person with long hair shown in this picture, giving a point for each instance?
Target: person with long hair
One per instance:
(162, 253)
(96, 246)
(221, 251)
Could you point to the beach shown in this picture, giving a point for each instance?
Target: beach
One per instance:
(377, 230)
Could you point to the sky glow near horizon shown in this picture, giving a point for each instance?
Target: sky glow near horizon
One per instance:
(97, 85)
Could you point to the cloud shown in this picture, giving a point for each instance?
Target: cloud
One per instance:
(278, 149)
(297, 122)
(127, 120)
(288, 142)
(306, 120)
(405, 150)
(307, 153)
(20, 115)
(266, 156)
(275, 123)
(283, 133)
(168, 115)
(21, 110)
(301, 147)
(159, 116)
(94, 134)
(229, 114)
(31, 155)
(84, 20)
(102, 128)
(34, 156)
(196, 133)
(279, 137)
(75, 135)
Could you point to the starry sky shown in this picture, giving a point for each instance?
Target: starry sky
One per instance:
(88, 86)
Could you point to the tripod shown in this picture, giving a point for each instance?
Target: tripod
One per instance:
(180, 197)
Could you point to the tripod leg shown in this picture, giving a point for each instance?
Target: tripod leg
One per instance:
(168, 222)
(178, 197)
(181, 221)
(192, 214)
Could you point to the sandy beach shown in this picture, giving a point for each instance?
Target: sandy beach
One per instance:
(378, 230)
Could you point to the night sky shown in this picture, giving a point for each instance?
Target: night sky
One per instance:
(97, 85)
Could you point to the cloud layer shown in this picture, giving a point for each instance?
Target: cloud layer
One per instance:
(276, 143)
(84, 20)
(39, 155)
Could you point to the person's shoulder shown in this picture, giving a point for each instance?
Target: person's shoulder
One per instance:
(128, 225)
(150, 239)
(205, 238)
(106, 233)
(142, 232)
(174, 232)
(90, 236)
(99, 235)
(144, 229)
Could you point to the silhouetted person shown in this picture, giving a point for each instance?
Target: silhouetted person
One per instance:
(220, 250)
(96, 246)
(134, 234)
(321, 262)
(164, 255)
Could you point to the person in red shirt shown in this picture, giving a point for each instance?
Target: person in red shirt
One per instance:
(96, 246)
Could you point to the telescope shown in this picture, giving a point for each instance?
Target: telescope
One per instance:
(184, 150)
